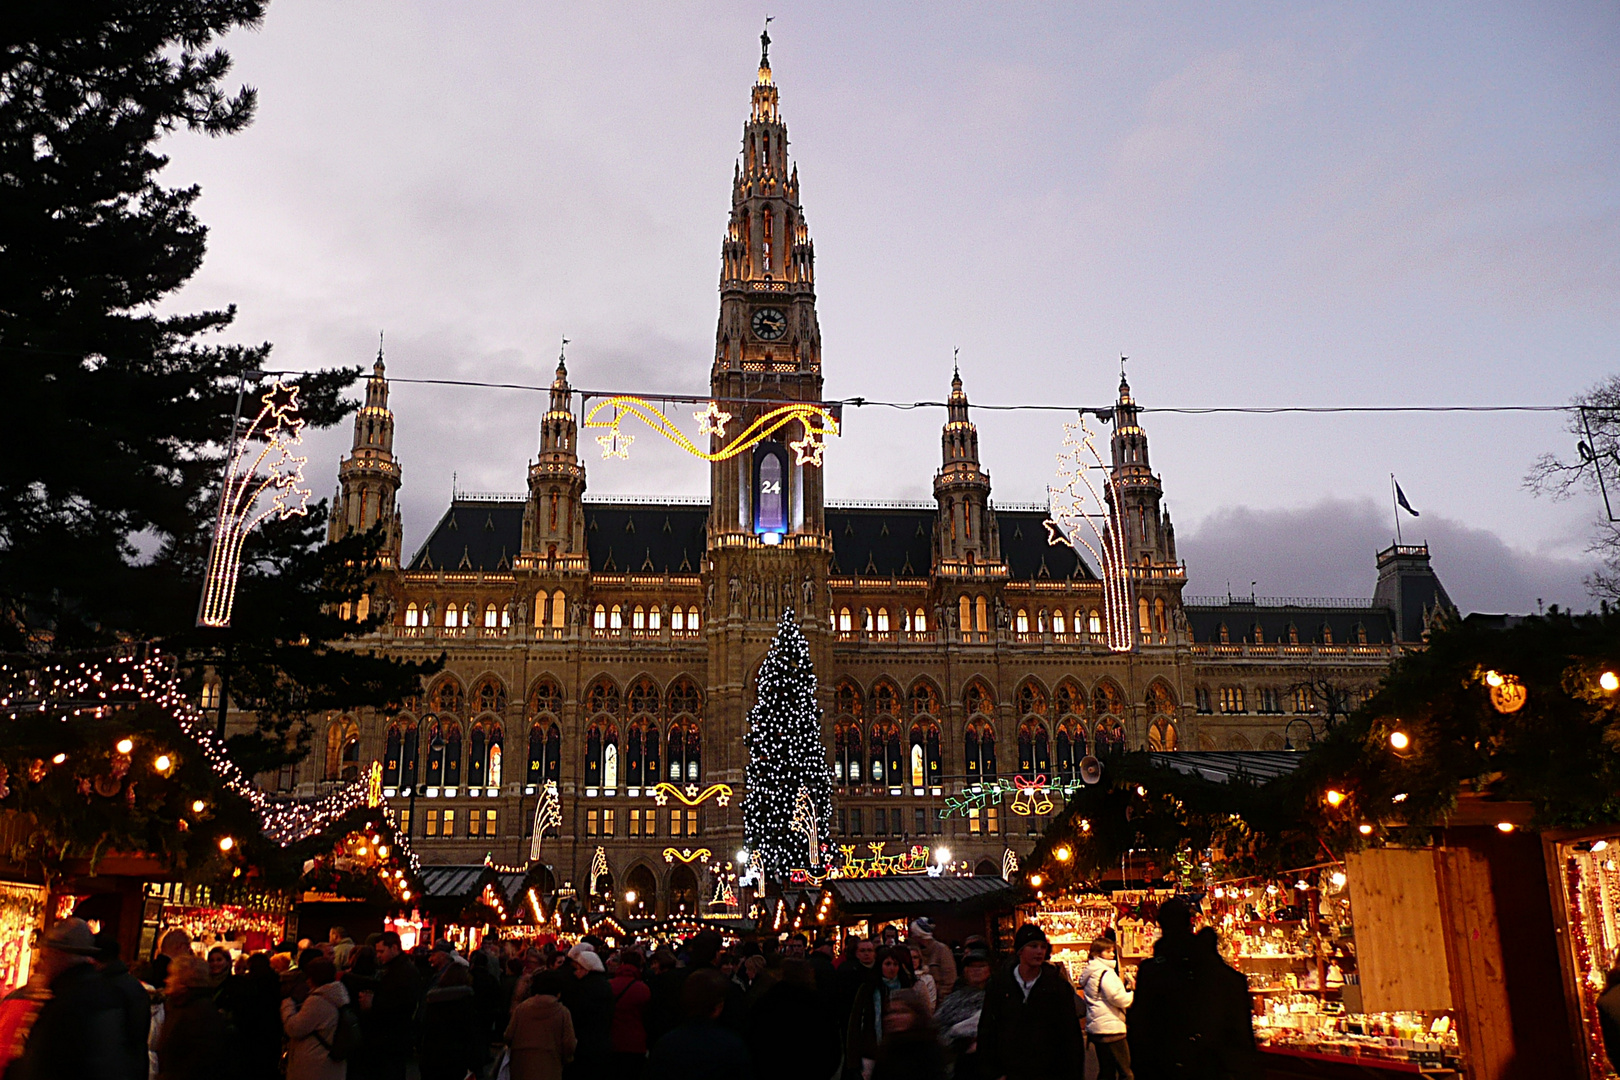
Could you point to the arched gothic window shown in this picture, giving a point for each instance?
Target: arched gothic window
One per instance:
(924, 764)
(1033, 755)
(602, 753)
(848, 699)
(489, 694)
(979, 750)
(602, 697)
(978, 699)
(399, 755)
(885, 761)
(1031, 700)
(848, 753)
(446, 696)
(685, 698)
(545, 753)
(644, 697)
(641, 752)
(685, 752)
(885, 699)
(545, 697)
(443, 753)
(484, 749)
(925, 700)
(343, 750)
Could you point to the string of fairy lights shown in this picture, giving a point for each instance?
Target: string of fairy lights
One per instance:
(97, 686)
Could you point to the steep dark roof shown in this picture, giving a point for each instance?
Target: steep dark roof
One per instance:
(645, 538)
(474, 534)
(654, 538)
(1274, 619)
(918, 892)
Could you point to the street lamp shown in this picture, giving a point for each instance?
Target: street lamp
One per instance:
(1310, 731)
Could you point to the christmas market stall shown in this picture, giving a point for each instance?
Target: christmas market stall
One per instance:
(463, 903)
(237, 919)
(1583, 869)
(959, 906)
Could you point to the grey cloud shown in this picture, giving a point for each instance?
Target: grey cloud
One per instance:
(1328, 549)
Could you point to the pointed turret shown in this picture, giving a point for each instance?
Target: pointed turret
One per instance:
(965, 534)
(1143, 524)
(368, 479)
(554, 519)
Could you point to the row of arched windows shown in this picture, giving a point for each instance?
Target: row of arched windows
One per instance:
(459, 615)
(431, 753)
(882, 758)
(612, 617)
(907, 620)
(1058, 621)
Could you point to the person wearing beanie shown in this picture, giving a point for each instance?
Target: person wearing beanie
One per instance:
(78, 1030)
(935, 954)
(588, 997)
(1191, 1013)
(1029, 1028)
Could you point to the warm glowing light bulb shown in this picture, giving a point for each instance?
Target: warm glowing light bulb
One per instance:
(1140, 790)
(630, 896)
(1364, 829)
(162, 762)
(1035, 880)
(1220, 893)
(1494, 678)
(1599, 846)
(197, 807)
(361, 850)
(1399, 740)
(125, 745)
(942, 855)
(1085, 825)
(58, 759)
(405, 894)
(1063, 853)
(382, 851)
(1609, 681)
(1334, 797)
(226, 843)
(1504, 826)
(1338, 879)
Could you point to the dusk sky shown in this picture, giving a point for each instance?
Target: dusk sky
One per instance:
(1291, 204)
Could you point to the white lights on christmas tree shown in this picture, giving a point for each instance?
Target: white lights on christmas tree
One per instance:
(278, 429)
(1075, 509)
(786, 757)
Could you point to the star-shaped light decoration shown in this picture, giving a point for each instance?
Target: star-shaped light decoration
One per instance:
(282, 399)
(808, 449)
(616, 444)
(1054, 535)
(660, 796)
(712, 420)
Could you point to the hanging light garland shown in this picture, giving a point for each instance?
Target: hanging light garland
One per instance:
(145, 674)
(281, 429)
(1068, 515)
(721, 793)
(818, 422)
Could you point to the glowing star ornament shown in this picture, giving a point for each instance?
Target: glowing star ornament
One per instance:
(276, 431)
(616, 444)
(1077, 514)
(547, 815)
(712, 420)
(808, 449)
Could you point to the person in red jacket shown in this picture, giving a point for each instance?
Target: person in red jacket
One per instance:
(629, 1035)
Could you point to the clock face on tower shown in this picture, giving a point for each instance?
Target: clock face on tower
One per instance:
(769, 324)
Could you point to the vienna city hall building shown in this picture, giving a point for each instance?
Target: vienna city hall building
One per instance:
(610, 646)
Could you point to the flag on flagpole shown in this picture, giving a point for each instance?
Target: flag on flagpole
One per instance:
(1400, 497)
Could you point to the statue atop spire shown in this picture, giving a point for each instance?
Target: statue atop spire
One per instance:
(765, 45)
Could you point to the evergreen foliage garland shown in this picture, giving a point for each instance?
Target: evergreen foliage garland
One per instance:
(786, 756)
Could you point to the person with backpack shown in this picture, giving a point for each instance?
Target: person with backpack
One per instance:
(321, 1025)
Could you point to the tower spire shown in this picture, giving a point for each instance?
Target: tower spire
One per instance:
(369, 478)
(765, 51)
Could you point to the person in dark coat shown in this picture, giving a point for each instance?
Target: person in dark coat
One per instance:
(856, 970)
(1191, 1016)
(792, 1013)
(192, 1044)
(386, 1024)
(702, 1048)
(133, 999)
(79, 1031)
(1029, 1027)
(589, 1000)
(254, 1004)
(454, 1042)
(865, 1025)
(910, 1049)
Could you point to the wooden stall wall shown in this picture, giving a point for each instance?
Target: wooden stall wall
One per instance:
(1395, 903)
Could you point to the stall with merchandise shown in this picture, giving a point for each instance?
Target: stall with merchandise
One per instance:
(239, 920)
(1584, 874)
(22, 917)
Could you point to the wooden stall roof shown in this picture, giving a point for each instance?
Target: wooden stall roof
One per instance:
(907, 893)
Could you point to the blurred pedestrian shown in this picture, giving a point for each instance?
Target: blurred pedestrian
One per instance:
(701, 1048)
(540, 1036)
(192, 1044)
(957, 1018)
(78, 1031)
(629, 1035)
(309, 1017)
(793, 1013)
(134, 1002)
(935, 954)
(865, 1026)
(386, 1025)
(454, 1042)
(1191, 1014)
(255, 1012)
(589, 998)
(910, 1049)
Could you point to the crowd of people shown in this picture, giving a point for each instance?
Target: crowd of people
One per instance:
(791, 1008)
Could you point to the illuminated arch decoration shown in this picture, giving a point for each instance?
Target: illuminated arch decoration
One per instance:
(1027, 795)
(278, 428)
(817, 420)
(1074, 509)
(720, 793)
(686, 855)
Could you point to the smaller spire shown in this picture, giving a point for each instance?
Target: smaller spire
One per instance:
(956, 367)
(379, 365)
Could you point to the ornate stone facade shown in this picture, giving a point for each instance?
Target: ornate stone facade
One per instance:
(610, 646)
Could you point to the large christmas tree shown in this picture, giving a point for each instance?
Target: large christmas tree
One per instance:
(788, 809)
